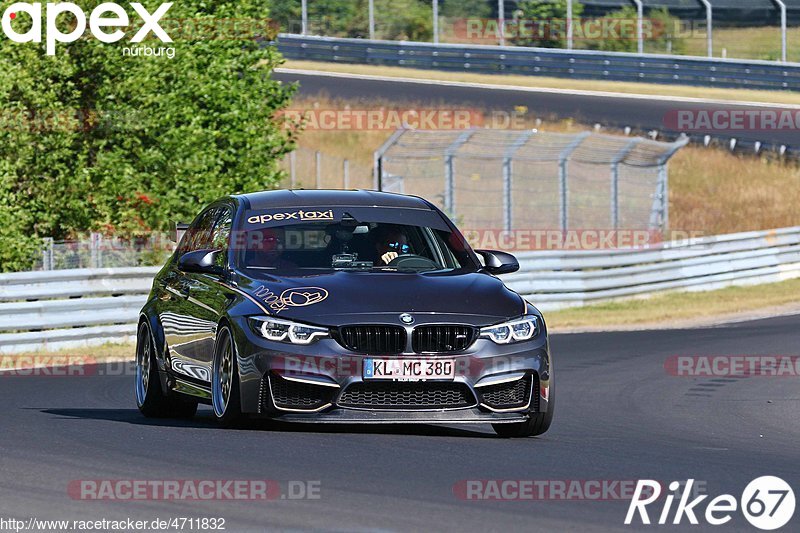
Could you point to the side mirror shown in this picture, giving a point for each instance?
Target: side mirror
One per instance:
(498, 262)
(203, 261)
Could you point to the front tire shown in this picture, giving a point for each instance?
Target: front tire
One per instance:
(537, 424)
(225, 395)
(150, 398)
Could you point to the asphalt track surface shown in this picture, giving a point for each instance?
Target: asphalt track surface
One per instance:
(620, 416)
(640, 114)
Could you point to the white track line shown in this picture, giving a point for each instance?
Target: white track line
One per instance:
(540, 90)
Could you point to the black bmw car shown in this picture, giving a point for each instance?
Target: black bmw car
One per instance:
(344, 307)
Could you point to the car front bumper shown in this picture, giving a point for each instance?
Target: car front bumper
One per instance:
(331, 371)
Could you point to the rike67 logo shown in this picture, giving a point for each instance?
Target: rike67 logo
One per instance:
(104, 23)
(767, 503)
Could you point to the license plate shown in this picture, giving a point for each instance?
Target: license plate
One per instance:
(409, 369)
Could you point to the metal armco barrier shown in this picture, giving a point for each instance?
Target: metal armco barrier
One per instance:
(579, 64)
(555, 279)
(68, 308)
(65, 308)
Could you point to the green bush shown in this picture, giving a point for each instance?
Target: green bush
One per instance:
(89, 134)
(659, 29)
(543, 23)
(394, 19)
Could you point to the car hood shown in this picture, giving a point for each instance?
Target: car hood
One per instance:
(347, 297)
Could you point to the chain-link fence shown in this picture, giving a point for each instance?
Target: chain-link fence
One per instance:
(312, 169)
(99, 251)
(755, 29)
(484, 178)
(496, 179)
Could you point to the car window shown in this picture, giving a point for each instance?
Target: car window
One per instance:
(350, 245)
(198, 236)
(220, 233)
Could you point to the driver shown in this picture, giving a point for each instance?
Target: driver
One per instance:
(265, 249)
(390, 243)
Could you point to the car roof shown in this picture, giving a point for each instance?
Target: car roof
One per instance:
(330, 198)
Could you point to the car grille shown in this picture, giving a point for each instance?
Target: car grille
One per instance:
(373, 339)
(442, 339)
(289, 394)
(407, 395)
(509, 395)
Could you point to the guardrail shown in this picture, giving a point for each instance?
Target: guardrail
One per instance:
(68, 308)
(582, 64)
(65, 308)
(553, 279)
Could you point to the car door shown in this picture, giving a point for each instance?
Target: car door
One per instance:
(207, 295)
(185, 326)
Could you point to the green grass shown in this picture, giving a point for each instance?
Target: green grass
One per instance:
(749, 43)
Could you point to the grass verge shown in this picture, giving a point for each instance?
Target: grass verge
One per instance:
(681, 309)
(71, 356)
(712, 191)
(740, 95)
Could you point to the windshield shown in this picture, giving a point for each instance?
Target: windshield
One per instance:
(351, 245)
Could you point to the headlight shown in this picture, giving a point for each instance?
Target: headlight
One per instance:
(277, 329)
(522, 329)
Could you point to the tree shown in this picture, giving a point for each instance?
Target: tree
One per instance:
(94, 139)
(466, 8)
(542, 23)
(394, 19)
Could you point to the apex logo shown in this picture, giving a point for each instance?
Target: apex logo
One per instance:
(106, 15)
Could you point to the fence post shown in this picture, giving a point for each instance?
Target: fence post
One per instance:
(615, 179)
(508, 161)
(372, 20)
(293, 169)
(318, 168)
(563, 190)
(782, 6)
(639, 25)
(47, 254)
(661, 201)
(94, 250)
(569, 25)
(709, 26)
(346, 172)
(664, 179)
(435, 7)
(377, 158)
(501, 19)
(449, 171)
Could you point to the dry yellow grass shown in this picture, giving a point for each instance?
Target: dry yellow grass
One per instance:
(715, 192)
(678, 307)
(711, 190)
(71, 356)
